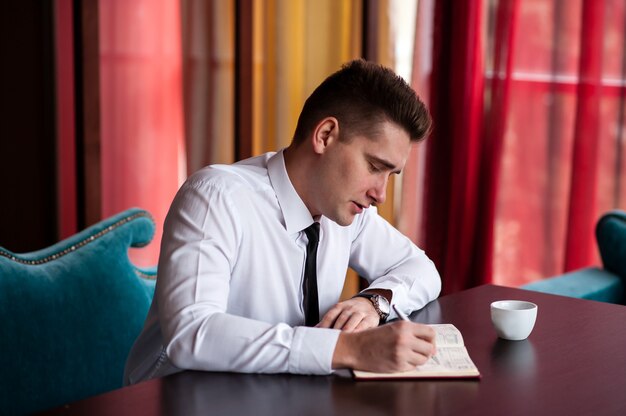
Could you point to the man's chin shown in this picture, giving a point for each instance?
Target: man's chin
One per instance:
(345, 220)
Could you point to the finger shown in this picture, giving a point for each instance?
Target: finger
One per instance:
(417, 360)
(329, 319)
(421, 342)
(366, 324)
(430, 334)
(424, 332)
(422, 351)
(353, 322)
(341, 320)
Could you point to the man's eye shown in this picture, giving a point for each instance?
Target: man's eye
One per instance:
(374, 168)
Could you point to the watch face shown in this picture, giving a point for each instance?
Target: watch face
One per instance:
(383, 304)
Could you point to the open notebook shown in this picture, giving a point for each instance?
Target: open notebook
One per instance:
(450, 361)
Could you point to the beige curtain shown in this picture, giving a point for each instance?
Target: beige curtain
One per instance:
(408, 202)
(208, 29)
(297, 44)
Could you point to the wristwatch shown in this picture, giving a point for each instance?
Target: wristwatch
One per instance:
(381, 304)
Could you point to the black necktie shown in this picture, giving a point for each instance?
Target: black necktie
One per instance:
(309, 286)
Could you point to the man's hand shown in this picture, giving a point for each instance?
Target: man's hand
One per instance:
(395, 347)
(353, 314)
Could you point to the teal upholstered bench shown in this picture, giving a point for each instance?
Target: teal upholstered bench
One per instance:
(607, 284)
(70, 313)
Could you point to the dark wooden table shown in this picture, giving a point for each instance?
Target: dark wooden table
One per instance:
(574, 363)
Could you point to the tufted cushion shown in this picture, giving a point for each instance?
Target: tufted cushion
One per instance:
(590, 283)
(70, 313)
(611, 237)
(607, 284)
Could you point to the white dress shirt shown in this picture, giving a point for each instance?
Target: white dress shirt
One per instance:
(229, 289)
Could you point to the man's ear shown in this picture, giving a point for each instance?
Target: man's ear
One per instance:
(326, 132)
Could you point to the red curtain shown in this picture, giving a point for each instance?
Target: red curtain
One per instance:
(65, 118)
(582, 200)
(142, 128)
(452, 160)
(528, 144)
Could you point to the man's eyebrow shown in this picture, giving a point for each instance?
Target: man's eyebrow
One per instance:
(390, 166)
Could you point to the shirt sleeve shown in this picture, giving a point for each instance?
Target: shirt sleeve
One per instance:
(387, 259)
(202, 235)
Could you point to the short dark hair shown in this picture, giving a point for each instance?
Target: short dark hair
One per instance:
(362, 95)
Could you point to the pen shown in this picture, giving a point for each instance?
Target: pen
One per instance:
(400, 314)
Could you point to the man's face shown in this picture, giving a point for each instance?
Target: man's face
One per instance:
(354, 173)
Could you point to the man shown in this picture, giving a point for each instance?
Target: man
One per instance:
(237, 272)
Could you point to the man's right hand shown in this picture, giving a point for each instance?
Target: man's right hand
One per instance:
(395, 347)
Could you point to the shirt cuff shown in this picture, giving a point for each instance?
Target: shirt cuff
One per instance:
(312, 350)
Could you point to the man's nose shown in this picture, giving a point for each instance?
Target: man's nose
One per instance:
(378, 191)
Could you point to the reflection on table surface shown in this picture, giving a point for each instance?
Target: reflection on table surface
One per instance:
(194, 393)
(572, 363)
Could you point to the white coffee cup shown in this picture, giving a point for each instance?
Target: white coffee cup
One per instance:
(513, 319)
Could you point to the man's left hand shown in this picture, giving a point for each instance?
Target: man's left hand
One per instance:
(354, 314)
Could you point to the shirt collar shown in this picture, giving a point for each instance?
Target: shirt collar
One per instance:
(296, 215)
